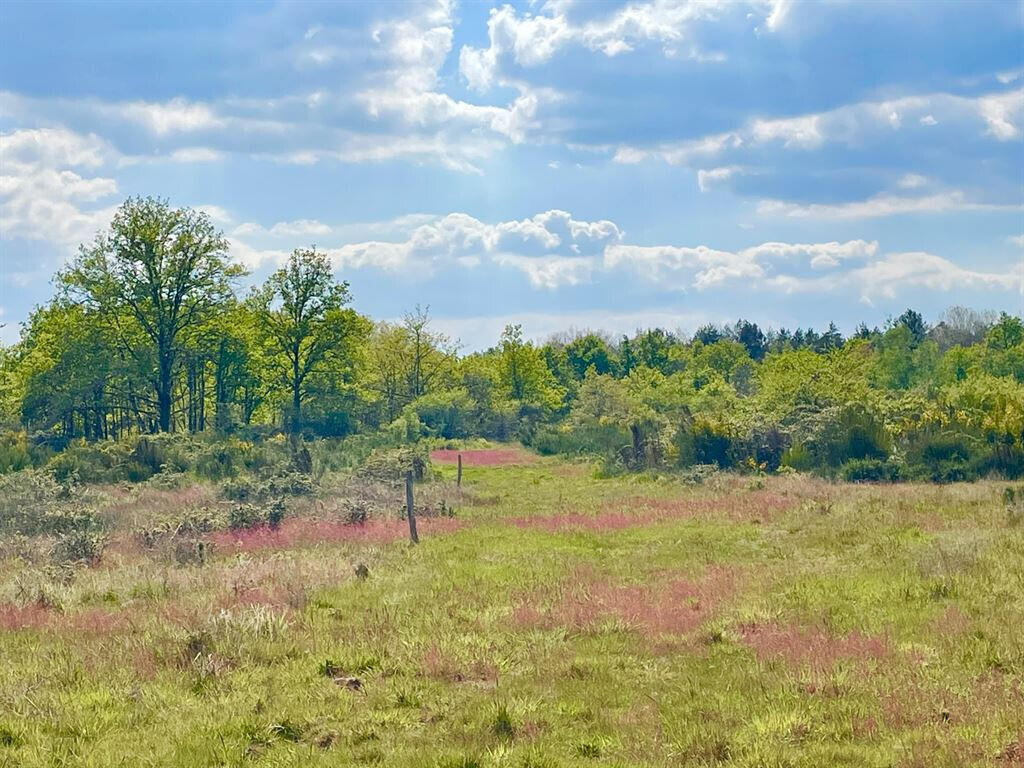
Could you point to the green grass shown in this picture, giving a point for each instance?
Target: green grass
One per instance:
(730, 633)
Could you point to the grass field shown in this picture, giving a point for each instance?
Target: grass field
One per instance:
(557, 619)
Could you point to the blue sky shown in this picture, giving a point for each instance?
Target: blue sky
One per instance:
(560, 164)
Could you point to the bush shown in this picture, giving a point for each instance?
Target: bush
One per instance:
(32, 503)
(798, 457)
(942, 456)
(14, 452)
(286, 483)
(550, 441)
(711, 445)
(869, 471)
(245, 516)
(79, 547)
(445, 414)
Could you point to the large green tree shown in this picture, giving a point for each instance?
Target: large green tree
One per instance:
(309, 332)
(156, 275)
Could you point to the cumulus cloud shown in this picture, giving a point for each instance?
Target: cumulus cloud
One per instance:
(702, 267)
(551, 248)
(533, 39)
(416, 49)
(554, 250)
(42, 194)
(886, 277)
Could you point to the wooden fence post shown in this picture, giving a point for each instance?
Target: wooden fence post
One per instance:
(409, 511)
(458, 474)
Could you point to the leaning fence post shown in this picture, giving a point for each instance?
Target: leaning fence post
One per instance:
(409, 511)
(458, 474)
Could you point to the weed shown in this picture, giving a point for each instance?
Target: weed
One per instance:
(502, 726)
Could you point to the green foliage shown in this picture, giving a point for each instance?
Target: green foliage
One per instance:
(14, 452)
(147, 366)
(870, 471)
(310, 336)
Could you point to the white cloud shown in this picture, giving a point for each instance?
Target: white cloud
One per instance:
(803, 132)
(853, 125)
(682, 152)
(709, 267)
(875, 207)
(554, 250)
(53, 147)
(911, 181)
(885, 278)
(216, 213)
(1017, 240)
(196, 155)
(533, 39)
(41, 198)
(549, 272)
(550, 248)
(999, 111)
(705, 179)
(779, 10)
(702, 267)
(416, 49)
(298, 228)
(818, 255)
(175, 116)
(1010, 76)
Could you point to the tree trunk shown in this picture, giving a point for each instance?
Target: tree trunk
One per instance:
(163, 403)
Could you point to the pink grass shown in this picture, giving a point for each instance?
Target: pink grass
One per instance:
(808, 647)
(483, 458)
(15, 617)
(306, 532)
(674, 607)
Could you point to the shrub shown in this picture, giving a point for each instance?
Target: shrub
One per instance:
(275, 515)
(549, 441)
(245, 516)
(869, 471)
(942, 456)
(286, 483)
(798, 457)
(32, 503)
(78, 547)
(711, 445)
(14, 452)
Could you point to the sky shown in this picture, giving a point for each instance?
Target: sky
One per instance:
(563, 165)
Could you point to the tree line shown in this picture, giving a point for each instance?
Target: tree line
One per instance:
(148, 332)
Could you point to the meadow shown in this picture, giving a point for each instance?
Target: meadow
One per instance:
(550, 616)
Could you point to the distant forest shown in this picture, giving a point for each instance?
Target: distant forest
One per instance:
(147, 333)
